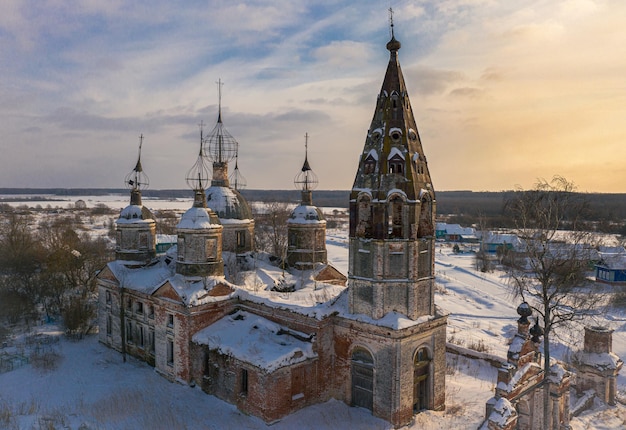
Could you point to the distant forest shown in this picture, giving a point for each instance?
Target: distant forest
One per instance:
(607, 212)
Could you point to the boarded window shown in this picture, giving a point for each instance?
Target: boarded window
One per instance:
(211, 249)
(396, 218)
(424, 262)
(170, 352)
(426, 225)
(362, 379)
(181, 248)
(364, 223)
(143, 240)
(369, 166)
(421, 371)
(297, 382)
(244, 382)
(241, 239)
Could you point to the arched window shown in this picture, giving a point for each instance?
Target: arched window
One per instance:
(395, 217)
(369, 165)
(362, 364)
(396, 165)
(426, 227)
(421, 372)
(364, 220)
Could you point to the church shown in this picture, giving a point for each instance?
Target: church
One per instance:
(272, 340)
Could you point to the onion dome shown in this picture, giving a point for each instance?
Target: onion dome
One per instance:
(536, 332)
(198, 177)
(236, 179)
(524, 311)
(220, 146)
(228, 203)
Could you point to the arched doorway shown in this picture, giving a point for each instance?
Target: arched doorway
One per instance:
(362, 379)
(421, 372)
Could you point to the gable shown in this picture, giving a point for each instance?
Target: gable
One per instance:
(107, 274)
(330, 275)
(168, 292)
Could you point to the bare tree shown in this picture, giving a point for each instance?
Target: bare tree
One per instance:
(550, 270)
(271, 228)
(21, 260)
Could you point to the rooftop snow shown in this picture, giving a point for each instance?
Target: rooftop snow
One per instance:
(304, 214)
(196, 219)
(254, 339)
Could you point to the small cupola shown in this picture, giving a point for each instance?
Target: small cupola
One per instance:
(199, 230)
(306, 226)
(135, 227)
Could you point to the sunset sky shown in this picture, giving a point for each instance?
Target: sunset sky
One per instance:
(504, 92)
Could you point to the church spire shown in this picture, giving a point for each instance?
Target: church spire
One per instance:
(137, 179)
(198, 176)
(306, 180)
(392, 206)
(220, 146)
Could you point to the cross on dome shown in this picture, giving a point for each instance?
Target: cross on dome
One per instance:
(137, 178)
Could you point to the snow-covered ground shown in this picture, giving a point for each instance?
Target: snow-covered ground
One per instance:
(92, 388)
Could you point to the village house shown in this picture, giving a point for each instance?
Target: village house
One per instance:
(276, 340)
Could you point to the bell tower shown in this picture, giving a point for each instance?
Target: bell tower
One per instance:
(392, 210)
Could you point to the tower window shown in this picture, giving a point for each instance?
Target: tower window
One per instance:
(211, 249)
(395, 217)
(244, 382)
(369, 166)
(364, 223)
(143, 240)
(170, 352)
(181, 248)
(396, 165)
(129, 332)
(241, 239)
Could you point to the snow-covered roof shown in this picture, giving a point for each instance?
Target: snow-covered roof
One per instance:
(228, 203)
(395, 151)
(456, 229)
(135, 214)
(613, 260)
(601, 361)
(142, 278)
(197, 218)
(372, 153)
(305, 214)
(256, 340)
(500, 238)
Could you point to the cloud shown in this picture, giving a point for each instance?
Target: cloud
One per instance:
(503, 92)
